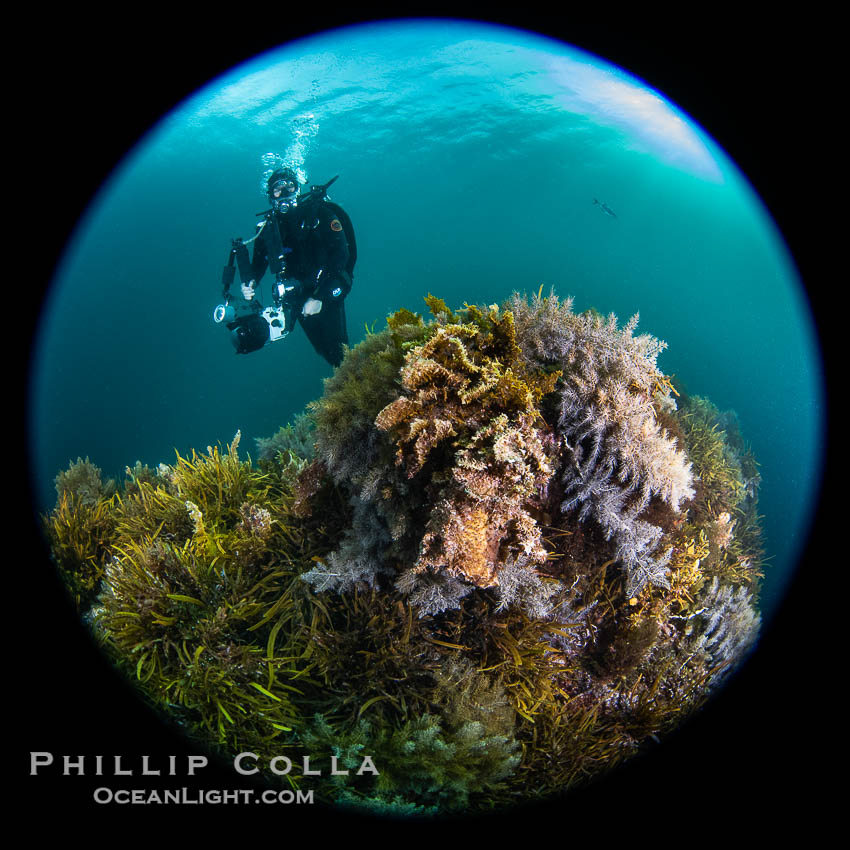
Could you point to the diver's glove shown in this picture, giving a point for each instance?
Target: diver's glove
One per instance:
(248, 290)
(312, 307)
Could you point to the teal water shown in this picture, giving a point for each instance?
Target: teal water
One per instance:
(469, 158)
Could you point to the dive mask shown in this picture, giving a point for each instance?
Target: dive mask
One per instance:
(283, 194)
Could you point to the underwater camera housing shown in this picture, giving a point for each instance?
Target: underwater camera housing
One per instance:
(251, 329)
(250, 325)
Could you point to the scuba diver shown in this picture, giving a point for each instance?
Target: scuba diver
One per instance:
(307, 242)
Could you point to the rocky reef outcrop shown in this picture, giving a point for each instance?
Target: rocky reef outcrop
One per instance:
(500, 555)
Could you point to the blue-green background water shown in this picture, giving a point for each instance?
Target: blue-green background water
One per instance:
(469, 158)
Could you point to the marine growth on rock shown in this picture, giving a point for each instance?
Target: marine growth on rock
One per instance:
(499, 555)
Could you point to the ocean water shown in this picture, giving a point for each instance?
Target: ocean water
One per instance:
(469, 158)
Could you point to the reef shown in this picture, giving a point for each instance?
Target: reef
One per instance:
(500, 555)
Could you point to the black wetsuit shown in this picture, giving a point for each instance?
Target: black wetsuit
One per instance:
(317, 264)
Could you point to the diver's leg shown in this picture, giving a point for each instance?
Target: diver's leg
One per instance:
(327, 331)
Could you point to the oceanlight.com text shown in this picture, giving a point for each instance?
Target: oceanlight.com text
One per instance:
(196, 797)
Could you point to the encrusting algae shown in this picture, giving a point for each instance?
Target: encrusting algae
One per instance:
(499, 556)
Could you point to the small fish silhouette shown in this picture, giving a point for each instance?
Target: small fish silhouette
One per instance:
(605, 208)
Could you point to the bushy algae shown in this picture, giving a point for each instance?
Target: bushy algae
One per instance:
(500, 555)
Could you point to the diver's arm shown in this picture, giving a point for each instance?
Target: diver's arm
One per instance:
(333, 286)
(334, 282)
(259, 264)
